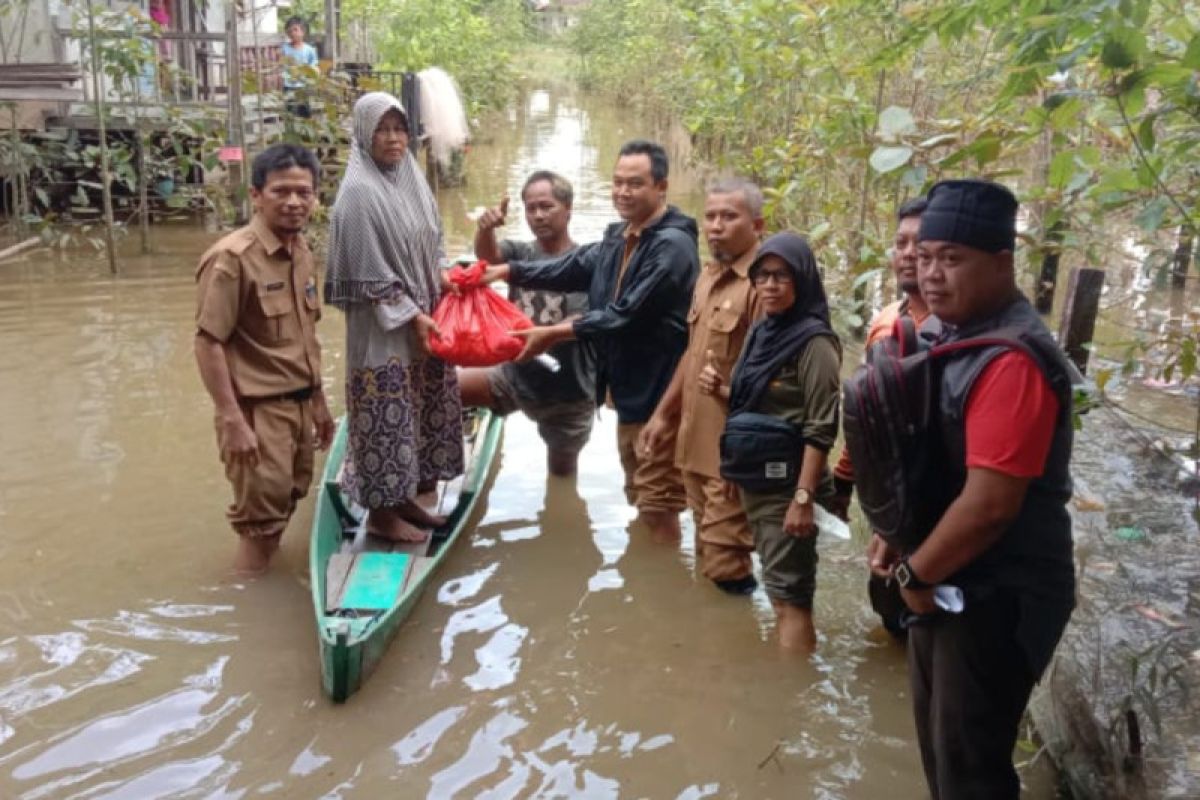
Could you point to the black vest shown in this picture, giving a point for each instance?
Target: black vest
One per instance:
(1036, 551)
(1032, 564)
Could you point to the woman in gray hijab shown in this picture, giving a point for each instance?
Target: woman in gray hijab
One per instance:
(384, 273)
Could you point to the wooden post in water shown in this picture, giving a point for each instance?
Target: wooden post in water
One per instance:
(110, 245)
(143, 179)
(1078, 323)
(1048, 279)
(1182, 260)
(431, 169)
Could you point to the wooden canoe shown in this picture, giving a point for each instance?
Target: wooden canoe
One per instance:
(363, 588)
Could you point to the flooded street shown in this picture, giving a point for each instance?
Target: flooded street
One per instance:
(557, 654)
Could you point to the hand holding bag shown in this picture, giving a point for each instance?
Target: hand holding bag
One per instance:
(475, 324)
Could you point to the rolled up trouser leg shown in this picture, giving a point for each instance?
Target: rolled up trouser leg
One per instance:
(723, 538)
(265, 495)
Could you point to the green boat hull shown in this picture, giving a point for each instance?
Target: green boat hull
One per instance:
(351, 647)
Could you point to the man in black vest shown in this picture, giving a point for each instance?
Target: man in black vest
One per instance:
(1005, 535)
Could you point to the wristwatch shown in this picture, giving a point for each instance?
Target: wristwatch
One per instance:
(803, 497)
(907, 578)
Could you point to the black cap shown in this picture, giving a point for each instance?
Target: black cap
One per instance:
(975, 213)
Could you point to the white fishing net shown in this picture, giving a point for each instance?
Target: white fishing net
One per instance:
(442, 113)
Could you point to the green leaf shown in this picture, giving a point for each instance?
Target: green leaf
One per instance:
(1062, 169)
(986, 149)
(937, 141)
(1119, 180)
(1187, 358)
(1150, 217)
(1145, 133)
(895, 122)
(1191, 57)
(1122, 48)
(914, 177)
(1089, 155)
(1078, 181)
(889, 158)
(865, 276)
(1066, 115)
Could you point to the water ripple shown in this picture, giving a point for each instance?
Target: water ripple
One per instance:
(137, 625)
(419, 743)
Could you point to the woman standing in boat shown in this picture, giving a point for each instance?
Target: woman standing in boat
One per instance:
(385, 253)
(783, 410)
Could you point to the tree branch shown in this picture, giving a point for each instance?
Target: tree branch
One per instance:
(1184, 214)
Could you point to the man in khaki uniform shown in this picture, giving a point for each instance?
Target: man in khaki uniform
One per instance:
(256, 347)
(723, 308)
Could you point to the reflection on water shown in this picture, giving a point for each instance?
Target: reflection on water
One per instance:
(558, 654)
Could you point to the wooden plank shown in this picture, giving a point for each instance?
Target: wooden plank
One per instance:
(420, 566)
(337, 570)
(13, 70)
(34, 64)
(1079, 313)
(21, 79)
(48, 93)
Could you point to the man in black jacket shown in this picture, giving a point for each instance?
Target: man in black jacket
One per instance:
(639, 279)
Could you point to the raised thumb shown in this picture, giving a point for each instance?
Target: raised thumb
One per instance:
(504, 206)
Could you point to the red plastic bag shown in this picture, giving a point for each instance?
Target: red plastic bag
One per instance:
(475, 324)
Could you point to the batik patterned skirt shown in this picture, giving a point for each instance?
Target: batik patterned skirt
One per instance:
(405, 430)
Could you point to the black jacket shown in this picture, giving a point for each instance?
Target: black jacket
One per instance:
(640, 330)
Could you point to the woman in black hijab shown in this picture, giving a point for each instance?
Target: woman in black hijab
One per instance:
(789, 370)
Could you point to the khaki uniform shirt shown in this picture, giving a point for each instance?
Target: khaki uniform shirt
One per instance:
(724, 306)
(261, 302)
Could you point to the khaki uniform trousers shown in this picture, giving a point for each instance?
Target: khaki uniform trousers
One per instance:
(265, 495)
(652, 481)
(724, 542)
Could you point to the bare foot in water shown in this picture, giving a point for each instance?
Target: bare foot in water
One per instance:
(388, 524)
(414, 513)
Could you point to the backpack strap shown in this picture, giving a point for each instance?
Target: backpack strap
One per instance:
(904, 329)
(1051, 364)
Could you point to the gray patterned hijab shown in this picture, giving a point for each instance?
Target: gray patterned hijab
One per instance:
(385, 237)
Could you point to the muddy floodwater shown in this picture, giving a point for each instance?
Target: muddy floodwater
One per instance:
(557, 654)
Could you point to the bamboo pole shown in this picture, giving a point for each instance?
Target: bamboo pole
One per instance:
(143, 193)
(20, 247)
(236, 129)
(20, 184)
(258, 75)
(105, 172)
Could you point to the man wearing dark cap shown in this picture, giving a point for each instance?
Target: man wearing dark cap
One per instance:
(1005, 535)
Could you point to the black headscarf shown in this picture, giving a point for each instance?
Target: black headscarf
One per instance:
(779, 337)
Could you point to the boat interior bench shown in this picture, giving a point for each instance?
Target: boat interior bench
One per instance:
(367, 582)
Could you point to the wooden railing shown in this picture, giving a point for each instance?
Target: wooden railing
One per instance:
(193, 66)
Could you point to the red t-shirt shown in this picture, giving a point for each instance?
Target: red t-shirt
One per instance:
(1010, 417)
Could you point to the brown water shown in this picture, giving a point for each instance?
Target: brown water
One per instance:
(556, 655)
